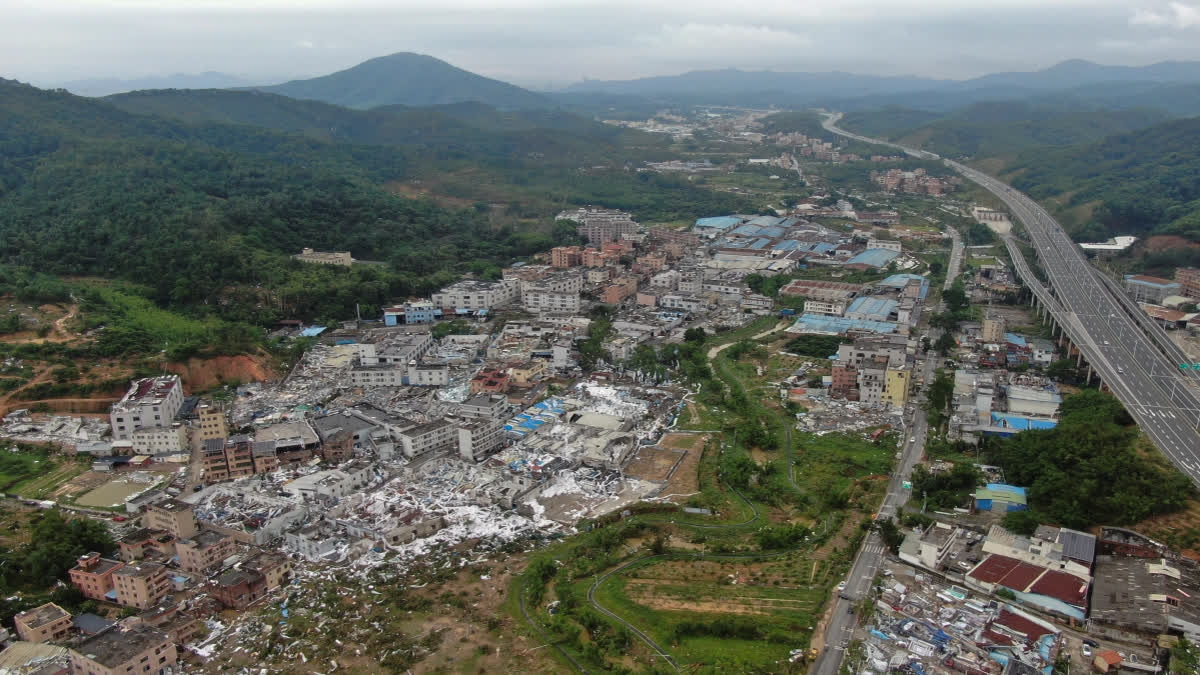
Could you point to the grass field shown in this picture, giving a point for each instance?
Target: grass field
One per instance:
(59, 472)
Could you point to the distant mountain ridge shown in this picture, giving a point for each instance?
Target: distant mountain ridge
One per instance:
(847, 91)
(107, 86)
(408, 79)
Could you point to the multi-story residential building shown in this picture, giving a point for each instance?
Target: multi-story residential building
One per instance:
(123, 650)
(665, 281)
(646, 299)
(141, 584)
(652, 262)
(599, 275)
(690, 281)
(205, 551)
(620, 290)
(600, 225)
(682, 302)
(823, 307)
(398, 350)
(170, 439)
(594, 257)
(525, 374)
(427, 437)
(93, 576)
(174, 516)
(381, 375)
(211, 421)
(845, 381)
(566, 256)
(274, 566)
(479, 437)
(872, 380)
(473, 294)
(150, 402)
(44, 623)
(754, 302)
(429, 375)
(993, 330)
(1188, 279)
(1143, 288)
(489, 380)
(492, 406)
(238, 588)
(144, 541)
(342, 258)
(895, 390)
(538, 299)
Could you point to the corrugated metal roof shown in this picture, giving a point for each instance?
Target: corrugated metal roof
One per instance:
(875, 257)
(1077, 545)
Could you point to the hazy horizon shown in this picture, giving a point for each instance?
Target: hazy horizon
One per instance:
(545, 44)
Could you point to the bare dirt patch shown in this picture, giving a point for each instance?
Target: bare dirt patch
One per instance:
(654, 463)
(203, 374)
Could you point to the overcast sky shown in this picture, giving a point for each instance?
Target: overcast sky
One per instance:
(543, 43)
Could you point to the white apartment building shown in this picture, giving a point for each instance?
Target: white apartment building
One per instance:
(541, 300)
(150, 402)
(383, 375)
(427, 437)
(429, 375)
(473, 294)
(689, 281)
(822, 307)
(399, 350)
(563, 282)
(682, 302)
(665, 281)
(159, 440)
(479, 437)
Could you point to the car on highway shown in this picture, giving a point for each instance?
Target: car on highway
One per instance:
(841, 586)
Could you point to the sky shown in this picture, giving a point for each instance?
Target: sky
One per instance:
(546, 44)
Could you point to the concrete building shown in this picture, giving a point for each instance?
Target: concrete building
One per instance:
(665, 281)
(123, 650)
(428, 437)
(993, 330)
(884, 244)
(166, 440)
(141, 584)
(342, 258)
(238, 588)
(491, 406)
(1188, 279)
(204, 552)
(827, 291)
(871, 309)
(478, 438)
(686, 303)
(895, 390)
(174, 516)
(528, 372)
(1024, 400)
(566, 256)
(211, 421)
(1138, 599)
(93, 576)
(429, 375)
(823, 307)
(274, 566)
(43, 623)
(620, 290)
(600, 225)
(150, 402)
(1144, 288)
(382, 375)
(936, 543)
(538, 299)
(476, 295)
(145, 541)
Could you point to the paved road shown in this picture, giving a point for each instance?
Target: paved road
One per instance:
(1132, 355)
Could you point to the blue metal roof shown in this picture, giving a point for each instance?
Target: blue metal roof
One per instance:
(875, 257)
(1013, 338)
(787, 245)
(881, 307)
(771, 232)
(836, 325)
(766, 221)
(759, 244)
(1020, 423)
(312, 331)
(746, 230)
(718, 222)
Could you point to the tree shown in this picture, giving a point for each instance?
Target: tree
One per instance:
(891, 534)
(1022, 522)
(956, 298)
(696, 334)
(945, 343)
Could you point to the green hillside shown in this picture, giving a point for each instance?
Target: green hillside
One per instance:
(999, 128)
(1147, 181)
(471, 129)
(407, 79)
(206, 215)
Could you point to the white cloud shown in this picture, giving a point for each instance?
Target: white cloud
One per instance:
(719, 38)
(1176, 15)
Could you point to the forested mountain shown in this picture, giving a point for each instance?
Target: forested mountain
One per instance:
(999, 128)
(407, 79)
(206, 214)
(463, 127)
(1147, 181)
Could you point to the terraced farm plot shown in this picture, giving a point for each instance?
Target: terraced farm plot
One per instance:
(686, 604)
(47, 484)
